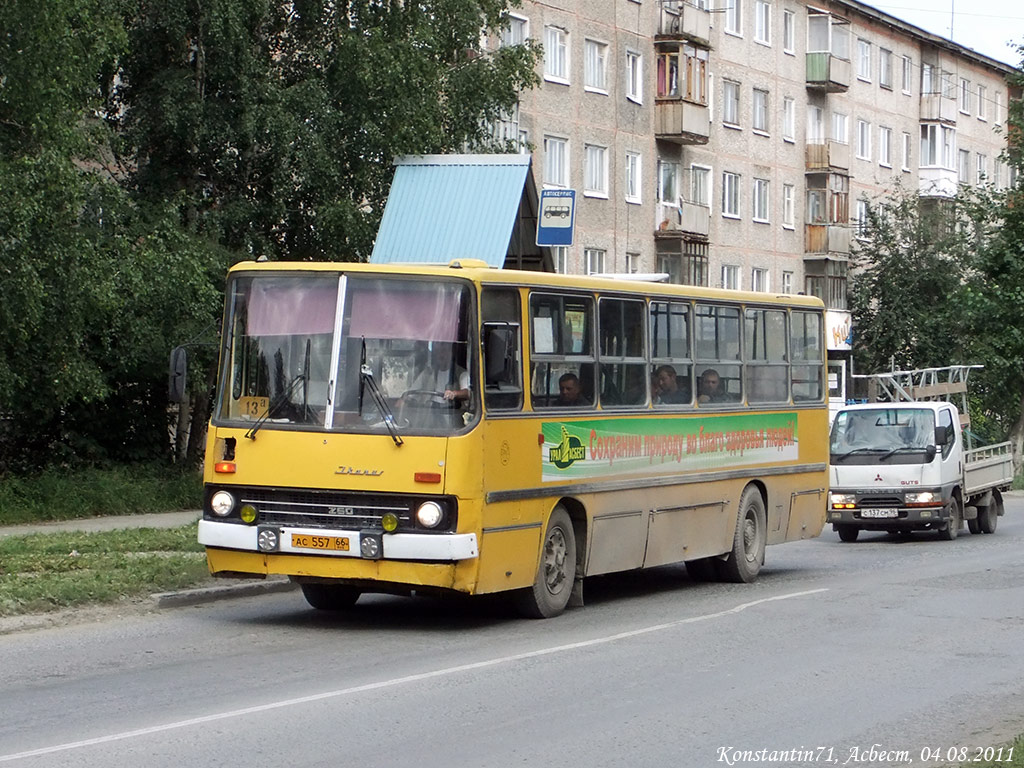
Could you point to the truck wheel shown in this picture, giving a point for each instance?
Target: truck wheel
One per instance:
(330, 597)
(744, 562)
(974, 524)
(848, 533)
(952, 529)
(988, 518)
(555, 573)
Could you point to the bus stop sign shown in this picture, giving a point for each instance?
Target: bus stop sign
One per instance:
(557, 217)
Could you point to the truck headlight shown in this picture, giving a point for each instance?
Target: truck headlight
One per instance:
(221, 503)
(923, 497)
(842, 500)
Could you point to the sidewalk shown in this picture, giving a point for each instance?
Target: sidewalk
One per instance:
(111, 523)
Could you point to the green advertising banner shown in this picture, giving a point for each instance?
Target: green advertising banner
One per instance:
(587, 449)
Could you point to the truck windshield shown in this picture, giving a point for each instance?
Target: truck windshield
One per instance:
(314, 350)
(884, 430)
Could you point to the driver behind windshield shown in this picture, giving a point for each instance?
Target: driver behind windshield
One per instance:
(437, 371)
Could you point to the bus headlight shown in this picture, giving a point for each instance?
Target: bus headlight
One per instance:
(430, 514)
(221, 503)
(923, 497)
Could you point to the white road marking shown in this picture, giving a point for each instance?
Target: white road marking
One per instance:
(398, 680)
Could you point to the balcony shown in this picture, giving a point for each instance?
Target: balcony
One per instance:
(935, 106)
(937, 182)
(824, 155)
(685, 219)
(680, 121)
(827, 72)
(826, 238)
(681, 20)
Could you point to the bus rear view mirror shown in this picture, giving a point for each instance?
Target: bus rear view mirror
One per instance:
(499, 353)
(178, 376)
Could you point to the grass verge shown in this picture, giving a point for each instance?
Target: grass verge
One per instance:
(122, 490)
(44, 572)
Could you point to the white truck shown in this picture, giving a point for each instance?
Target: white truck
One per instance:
(903, 466)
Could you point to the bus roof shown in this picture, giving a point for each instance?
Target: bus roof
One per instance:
(477, 271)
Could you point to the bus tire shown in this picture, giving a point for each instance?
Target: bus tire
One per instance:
(330, 597)
(952, 528)
(556, 571)
(744, 562)
(848, 533)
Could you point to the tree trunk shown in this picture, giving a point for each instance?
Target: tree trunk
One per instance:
(1017, 438)
(200, 417)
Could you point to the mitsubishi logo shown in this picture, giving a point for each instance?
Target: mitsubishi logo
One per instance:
(878, 478)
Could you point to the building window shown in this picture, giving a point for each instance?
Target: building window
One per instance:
(668, 183)
(560, 259)
(863, 140)
(861, 224)
(787, 282)
(927, 79)
(633, 177)
(632, 263)
(730, 103)
(864, 60)
(815, 124)
(885, 68)
(595, 66)
(733, 16)
(788, 32)
(760, 207)
(700, 185)
(885, 147)
(595, 171)
(965, 95)
(763, 22)
(731, 195)
(760, 110)
(788, 119)
(683, 73)
(982, 168)
(634, 77)
(556, 161)
(556, 55)
(982, 103)
(963, 165)
(593, 260)
(759, 279)
(908, 73)
(906, 152)
(515, 31)
(788, 208)
(731, 277)
(938, 143)
(840, 128)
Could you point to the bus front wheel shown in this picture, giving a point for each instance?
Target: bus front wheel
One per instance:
(555, 573)
(744, 562)
(330, 597)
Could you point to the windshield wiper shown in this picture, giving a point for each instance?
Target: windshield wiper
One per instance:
(902, 449)
(366, 380)
(846, 455)
(280, 400)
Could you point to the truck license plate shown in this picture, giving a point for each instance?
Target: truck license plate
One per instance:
(333, 543)
(882, 512)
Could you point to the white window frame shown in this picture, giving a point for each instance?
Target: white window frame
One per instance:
(863, 140)
(788, 119)
(668, 193)
(963, 163)
(908, 75)
(595, 66)
(997, 100)
(885, 146)
(762, 22)
(556, 161)
(965, 96)
(760, 207)
(635, 76)
(885, 68)
(634, 177)
(560, 259)
(632, 262)
(863, 60)
(981, 168)
(787, 282)
(789, 33)
(734, 17)
(730, 195)
(982, 102)
(731, 277)
(907, 143)
(730, 105)
(860, 229)
(760, 280)
(594, 261)
(701, 186)
(788, 206)
(595, 171)
(514, 22)
(556, 54)
(841, 127)
(759, 114)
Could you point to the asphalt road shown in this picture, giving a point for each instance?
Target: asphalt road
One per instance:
(881, 652)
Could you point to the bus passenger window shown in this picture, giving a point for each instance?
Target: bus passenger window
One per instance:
(502, 349)
(561, 332)
(805, 343)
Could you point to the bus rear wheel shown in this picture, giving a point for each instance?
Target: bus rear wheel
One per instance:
(330, 597)
(556, 571)
(744, 562)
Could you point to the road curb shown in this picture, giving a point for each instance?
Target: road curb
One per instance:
(187, 597)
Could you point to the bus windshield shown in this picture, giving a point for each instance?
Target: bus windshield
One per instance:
(348, 353)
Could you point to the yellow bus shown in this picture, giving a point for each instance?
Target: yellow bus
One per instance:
(460, 428)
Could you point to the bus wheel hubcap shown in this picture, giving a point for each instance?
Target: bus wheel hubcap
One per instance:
(554, 560)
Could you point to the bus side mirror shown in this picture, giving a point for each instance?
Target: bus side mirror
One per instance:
(178, 377)
(499, 353)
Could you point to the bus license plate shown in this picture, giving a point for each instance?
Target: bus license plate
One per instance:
(885, 512)
(330, 543)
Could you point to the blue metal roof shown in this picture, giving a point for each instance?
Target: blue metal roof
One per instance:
(444, 207)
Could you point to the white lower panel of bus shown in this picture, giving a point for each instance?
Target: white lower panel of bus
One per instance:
(315, 541)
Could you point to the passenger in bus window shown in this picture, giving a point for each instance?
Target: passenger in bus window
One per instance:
(710, 387)
(570, 391)
(668, 386)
